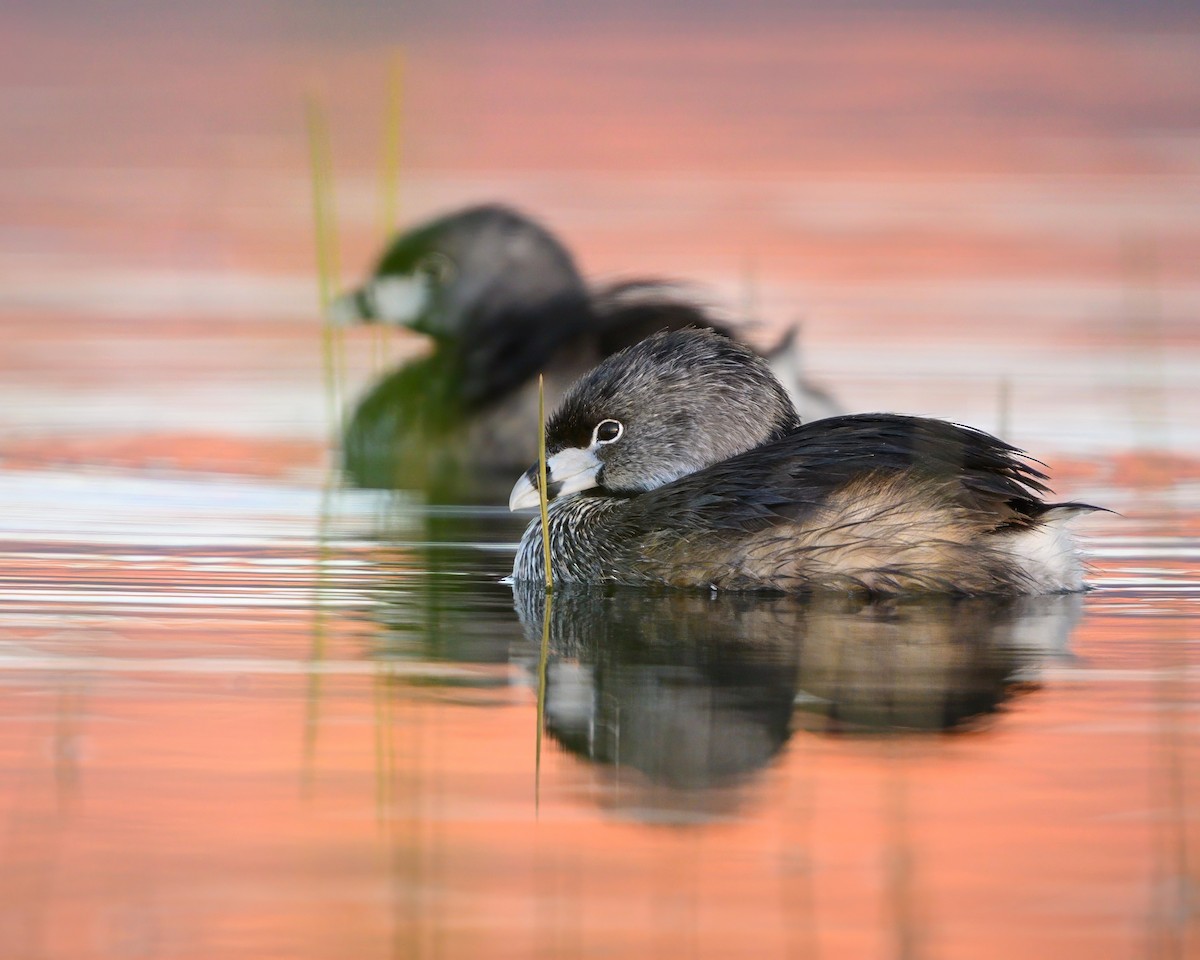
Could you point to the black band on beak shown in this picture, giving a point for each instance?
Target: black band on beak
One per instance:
(362, 303)
(553, 487)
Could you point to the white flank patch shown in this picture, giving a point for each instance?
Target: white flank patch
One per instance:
(1050, 555)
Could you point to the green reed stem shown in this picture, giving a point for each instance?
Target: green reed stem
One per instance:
(325, 242)
(393, 130)
(389, 187)
(544, 507)
(543, 657)
(327, 272)
(542, 501)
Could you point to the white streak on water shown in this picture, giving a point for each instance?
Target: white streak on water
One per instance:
(237, 666)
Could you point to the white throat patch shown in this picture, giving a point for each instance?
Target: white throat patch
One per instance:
(398, 300)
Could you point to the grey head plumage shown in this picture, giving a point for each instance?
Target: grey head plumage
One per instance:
(675, 403)
(496, 291)
(439, 276)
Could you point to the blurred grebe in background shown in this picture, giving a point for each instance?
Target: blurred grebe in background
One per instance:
(682, 461)
(502, 300)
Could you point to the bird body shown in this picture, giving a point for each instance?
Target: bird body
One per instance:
(502, 300)
(711, 481)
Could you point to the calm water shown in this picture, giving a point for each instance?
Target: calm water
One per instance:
(249, 718)
(245, 712)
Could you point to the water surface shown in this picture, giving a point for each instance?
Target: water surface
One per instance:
(250, 718)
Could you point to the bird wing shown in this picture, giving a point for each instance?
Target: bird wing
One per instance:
(790, 479)
(629, 311)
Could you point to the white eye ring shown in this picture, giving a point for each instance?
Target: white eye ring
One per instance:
(607, 426)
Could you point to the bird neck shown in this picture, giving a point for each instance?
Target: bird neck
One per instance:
(579, 542)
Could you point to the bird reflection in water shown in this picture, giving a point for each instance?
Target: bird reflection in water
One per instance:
(686, 692)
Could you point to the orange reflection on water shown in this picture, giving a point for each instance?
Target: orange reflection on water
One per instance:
(248, 808)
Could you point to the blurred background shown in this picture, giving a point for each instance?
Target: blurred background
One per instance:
(949, 197)
(225, 728)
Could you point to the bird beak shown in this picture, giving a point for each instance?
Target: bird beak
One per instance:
(347, 310)
(525, 492)
(568, 471)
(396, 300)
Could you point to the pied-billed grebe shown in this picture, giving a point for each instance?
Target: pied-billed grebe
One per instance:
(502, 300)
(681, 461)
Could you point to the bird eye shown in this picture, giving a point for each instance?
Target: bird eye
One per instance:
(436, 266)
(608, 430)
